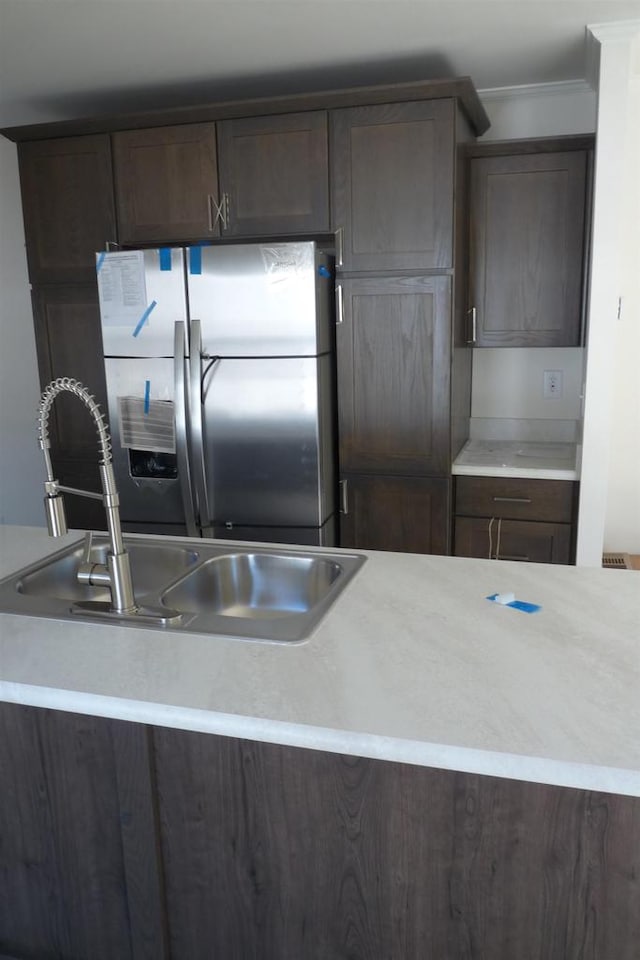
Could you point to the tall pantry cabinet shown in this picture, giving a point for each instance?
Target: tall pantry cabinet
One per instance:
(394, 177)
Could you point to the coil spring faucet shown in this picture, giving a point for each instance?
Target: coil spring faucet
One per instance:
(117, 572)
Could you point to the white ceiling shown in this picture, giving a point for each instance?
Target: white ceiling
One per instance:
(61, 59)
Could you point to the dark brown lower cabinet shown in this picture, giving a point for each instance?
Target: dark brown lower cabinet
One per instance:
(499, 539)
(405, 514)
(207, 847)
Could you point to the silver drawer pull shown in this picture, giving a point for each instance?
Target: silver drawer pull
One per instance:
(511, 499)
(512, 556)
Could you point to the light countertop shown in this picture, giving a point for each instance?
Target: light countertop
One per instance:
(509, 458)
(411, 664)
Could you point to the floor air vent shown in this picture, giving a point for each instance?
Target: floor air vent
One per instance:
(616, 561)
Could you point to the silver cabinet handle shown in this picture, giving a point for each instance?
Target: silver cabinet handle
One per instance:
(511, 499)
(339, 246)
(180, 420)
(473, 313)
(339, 303)
(344, 497)
(512, 556)
(218, 211)
(210, 205)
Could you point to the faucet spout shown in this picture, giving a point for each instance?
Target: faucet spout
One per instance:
(122, 596)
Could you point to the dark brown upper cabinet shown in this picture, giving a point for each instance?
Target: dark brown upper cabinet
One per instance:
(393, 342)
(527, 248)
(274, 174)
(167, 184)
(69, 212)
(406, 514)
(392, 182)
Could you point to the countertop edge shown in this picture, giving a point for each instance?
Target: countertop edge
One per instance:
(530, 769)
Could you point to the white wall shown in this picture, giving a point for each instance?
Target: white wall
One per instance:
(21, 463)
(508, 382)
(541, 110)
(622, 518)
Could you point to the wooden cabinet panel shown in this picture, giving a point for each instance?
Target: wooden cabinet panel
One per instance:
(166, 183)
(277, 852)
(527, 225)
(79, 873)
(498, 539)
(393, 375)
(69, 211)
(514, 497)
(69, 344)
(404, 514)
(392, 183)
(274, 171)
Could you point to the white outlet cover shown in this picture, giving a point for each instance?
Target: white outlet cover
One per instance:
(552, 389)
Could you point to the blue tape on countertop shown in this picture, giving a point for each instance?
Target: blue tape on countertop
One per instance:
(147, 393)
(143, 319)
(100, 260)
(165, 258)
(518, 604)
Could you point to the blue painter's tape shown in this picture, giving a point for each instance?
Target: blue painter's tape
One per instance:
(195, 260)
(518, 604)
(143, 319)
(322, 270)
(100, 261)
(165, 258)
(147, 393)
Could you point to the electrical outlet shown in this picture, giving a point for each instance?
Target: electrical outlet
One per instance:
(552, 389)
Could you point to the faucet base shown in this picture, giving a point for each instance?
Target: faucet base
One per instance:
(102, 610)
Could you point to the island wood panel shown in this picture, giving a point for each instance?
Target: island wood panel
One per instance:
(277, 853)
(404, 514)
(275, 173)
(166, 183)
(393, 363)
(527, 216)
(79, 874)
(68, 206)
(392, 185)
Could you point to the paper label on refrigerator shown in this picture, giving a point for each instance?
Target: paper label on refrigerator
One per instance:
(122, 288)
(146, 424)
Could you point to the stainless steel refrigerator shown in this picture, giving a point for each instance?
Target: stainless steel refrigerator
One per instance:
(219, 371)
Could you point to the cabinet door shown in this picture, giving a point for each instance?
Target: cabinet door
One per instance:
(403, 514)
(527, 220)
(274, 173)
(79, 871)
(69, 212)
(393, 347)
(392, 185)
(497, 539)
(69, 344)
(167, 183)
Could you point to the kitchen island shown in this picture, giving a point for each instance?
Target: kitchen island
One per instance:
(425, 815)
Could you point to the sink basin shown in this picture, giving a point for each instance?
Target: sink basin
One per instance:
(254, 585)
(152, 565)
(276, 594)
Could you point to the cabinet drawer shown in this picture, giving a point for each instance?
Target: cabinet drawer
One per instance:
(515, 498)
(498, 539)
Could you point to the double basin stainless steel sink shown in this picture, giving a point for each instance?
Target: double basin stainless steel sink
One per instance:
(259, 593)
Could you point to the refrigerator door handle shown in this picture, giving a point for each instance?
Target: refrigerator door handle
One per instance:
(195, 421)
(180, 416)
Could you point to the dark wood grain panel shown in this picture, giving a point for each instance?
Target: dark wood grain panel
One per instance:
(166, 183)
(392, 185)
(277, 853)
(496, 539)
(275, 172)
(515, 497)
(69, 344)
(79, 874)
(68, 205)
(393, 375)
(404, 514)
(527, 217)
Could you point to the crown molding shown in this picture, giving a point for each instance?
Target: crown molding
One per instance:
(616, 31)
(557, 89)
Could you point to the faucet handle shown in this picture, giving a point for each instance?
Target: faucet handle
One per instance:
(88, 543)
